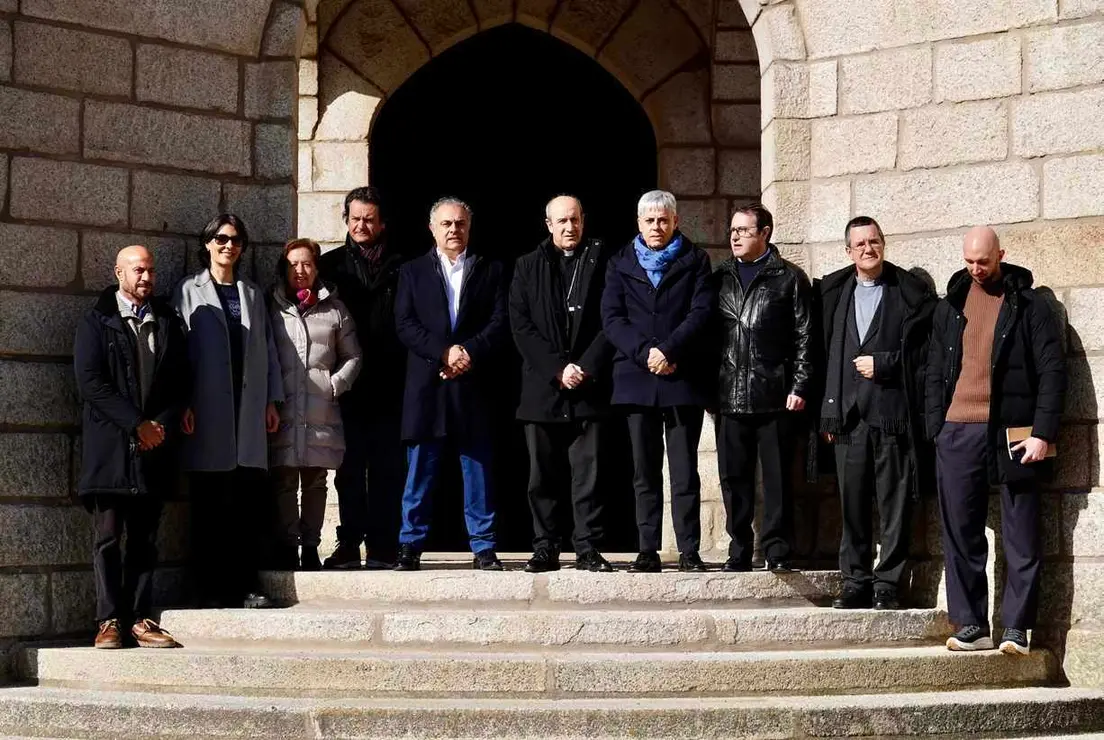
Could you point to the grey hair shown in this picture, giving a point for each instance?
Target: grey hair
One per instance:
(656, 200)
(548, 205)
(449, 200)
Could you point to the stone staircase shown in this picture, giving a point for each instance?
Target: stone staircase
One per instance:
(452, 653)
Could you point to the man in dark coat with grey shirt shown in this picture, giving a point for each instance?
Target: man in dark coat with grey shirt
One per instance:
(875, 322)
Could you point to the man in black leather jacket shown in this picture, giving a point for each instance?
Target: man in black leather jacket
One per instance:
(765, 375)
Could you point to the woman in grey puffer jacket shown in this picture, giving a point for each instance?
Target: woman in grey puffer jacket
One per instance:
(320, 358)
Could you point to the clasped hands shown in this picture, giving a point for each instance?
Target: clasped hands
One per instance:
(456, 362)
(150, 435)
(571, 377)
(658, 364)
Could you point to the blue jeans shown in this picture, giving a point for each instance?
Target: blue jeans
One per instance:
(422, 460)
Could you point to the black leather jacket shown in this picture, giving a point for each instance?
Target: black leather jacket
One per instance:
(766, 337)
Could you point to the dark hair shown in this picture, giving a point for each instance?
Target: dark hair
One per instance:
(860, 221)
(763, 217)
(291, 246)
(366, 194)
(212, 228)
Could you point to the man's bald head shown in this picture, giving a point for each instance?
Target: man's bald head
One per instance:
(135, 272)
(564, 218)
(982, 253)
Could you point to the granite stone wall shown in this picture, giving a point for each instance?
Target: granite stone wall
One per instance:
(134, 121)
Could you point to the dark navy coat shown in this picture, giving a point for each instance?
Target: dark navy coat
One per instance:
(461, 408)
(675, 316)
(106, 367)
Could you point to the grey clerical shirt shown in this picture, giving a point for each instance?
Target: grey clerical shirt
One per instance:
(868, 296)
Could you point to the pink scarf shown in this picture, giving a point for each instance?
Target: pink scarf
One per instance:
(307, 298)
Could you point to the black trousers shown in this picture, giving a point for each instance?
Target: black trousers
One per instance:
(370, 483)
(963, 480)
(873, 465)
(681, 427)
(124, 581)
(563, 461)
(741, 440)
(230, 510)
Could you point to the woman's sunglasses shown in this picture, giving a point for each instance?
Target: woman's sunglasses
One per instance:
(223, 239)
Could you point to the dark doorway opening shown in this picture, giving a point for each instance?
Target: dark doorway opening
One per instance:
(506, 120)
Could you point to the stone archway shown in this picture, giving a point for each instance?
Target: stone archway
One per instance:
(702, 100)
(693, 71)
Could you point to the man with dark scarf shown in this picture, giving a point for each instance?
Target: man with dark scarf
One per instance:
(876, 319)
(370, 480)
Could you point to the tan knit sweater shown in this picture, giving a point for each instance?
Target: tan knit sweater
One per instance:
(971, 394)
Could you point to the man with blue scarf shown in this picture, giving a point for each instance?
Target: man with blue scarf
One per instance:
(656, 311)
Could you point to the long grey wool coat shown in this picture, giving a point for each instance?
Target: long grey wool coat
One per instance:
(320, 358)
(220, 442)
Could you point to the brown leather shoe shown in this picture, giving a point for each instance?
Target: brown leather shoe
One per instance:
(148, 633)
(109, 638)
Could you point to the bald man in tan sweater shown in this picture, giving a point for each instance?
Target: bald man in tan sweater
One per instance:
(995, 361)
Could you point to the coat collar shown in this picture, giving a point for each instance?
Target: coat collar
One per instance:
(913, 290)
(1016, 280)
(775, 264)
(326, 292)
(108, 307)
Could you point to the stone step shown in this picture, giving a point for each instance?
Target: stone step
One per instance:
(1042, 712)
(432, 672)
(456, 584)
(688, 628)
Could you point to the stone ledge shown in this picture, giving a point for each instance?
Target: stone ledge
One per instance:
(525, 674)
(1019, 712)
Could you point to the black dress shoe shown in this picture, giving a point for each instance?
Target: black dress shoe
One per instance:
(408, 559)
(544, 560)
(735, 565)
(486, 560)
(646, 562)
(257, 600)
(778, 566)
(852, 598)
(691, 562)
(593, 561)
(886, 600)
(345, 557)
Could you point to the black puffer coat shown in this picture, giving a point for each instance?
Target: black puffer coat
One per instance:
(766, 337)
(1029, 365)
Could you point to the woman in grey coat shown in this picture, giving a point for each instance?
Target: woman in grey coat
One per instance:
(236, 386)
(320, 357)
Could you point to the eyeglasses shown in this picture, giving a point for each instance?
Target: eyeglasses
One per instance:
(745, 230)
(223, 239)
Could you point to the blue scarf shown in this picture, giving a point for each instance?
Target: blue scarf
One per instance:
(656, 261)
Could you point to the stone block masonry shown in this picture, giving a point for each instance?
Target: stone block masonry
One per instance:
(123, 123)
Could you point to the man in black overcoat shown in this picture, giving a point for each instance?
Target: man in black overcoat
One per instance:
(875, 322)
(132, 373)
(555, 299)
